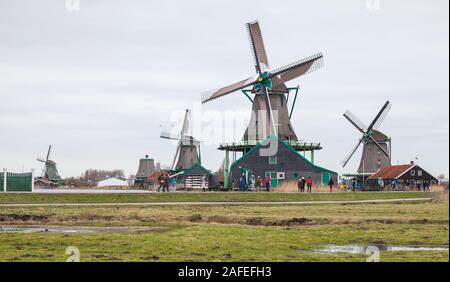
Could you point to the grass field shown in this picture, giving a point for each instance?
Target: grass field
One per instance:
(12, 198)
(225, 233)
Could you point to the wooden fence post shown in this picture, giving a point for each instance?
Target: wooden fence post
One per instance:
(32, 180)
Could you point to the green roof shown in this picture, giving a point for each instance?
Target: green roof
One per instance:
(197, 165)
(287, 146)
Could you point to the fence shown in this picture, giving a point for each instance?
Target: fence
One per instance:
(16, 182)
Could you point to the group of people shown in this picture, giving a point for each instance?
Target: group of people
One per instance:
(302, 183)
(255, 184)
(308, 183)
(164, 181)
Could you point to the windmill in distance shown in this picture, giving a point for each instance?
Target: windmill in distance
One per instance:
(50, 173)
(377, 146)
(188, 148)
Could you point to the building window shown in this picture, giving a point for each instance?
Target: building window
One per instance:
(273, 160)
(413, 173)
(296, 175)
(419, 173)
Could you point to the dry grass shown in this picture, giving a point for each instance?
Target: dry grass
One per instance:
(440, 194)
(291, 186)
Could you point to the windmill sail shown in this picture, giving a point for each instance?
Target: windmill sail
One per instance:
(257, 46)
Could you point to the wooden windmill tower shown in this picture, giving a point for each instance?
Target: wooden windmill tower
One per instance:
(50, 174)
(188, 148)
(377, 146)
(270, 114)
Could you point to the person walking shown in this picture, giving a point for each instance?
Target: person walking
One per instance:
(174, 184)
(160, 182)
(166, 183)
(301, 184)
(252, 183)
(259, 184)
(331, 184)
(204, 182)
(394, 184)
(267, 182)
(309, 184)
(243, 183)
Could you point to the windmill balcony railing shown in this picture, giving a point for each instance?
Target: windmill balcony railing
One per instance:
(297, 144)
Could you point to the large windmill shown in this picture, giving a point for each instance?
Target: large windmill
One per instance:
(49, 172)
(270, 110)
(270, 117)
(187, 153)
(377, 146)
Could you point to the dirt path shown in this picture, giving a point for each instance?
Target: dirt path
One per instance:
(222, 203)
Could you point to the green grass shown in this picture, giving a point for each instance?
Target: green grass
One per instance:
(34, 198)
(213, 242)
(229, 233)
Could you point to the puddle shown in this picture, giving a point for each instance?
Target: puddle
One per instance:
(357, 249)
(76, 229)
(38, 229)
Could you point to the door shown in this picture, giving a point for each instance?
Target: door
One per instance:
(273, 178)
(325, 178)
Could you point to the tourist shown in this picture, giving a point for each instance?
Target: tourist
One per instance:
(331, 184)
(160, 182)
(407, 185)
(252, 183)
(394, 184)
(174, 184)
(267, 182)
(301, 184)
(259, 184)
(243, 183)
(309, 184)
(166, 183)
(204, 182)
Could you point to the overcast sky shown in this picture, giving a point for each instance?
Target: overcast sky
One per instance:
(99, 84)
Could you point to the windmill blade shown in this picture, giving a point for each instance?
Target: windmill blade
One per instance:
(299, 68)
(257, 46)
(383, 116)
(380, 115)
(167, 135)
(48, 153)
(40, 160)
(214, 94)
(379, 146)
(185, 126)
(176, 155)
(355, 121)
(346, 160)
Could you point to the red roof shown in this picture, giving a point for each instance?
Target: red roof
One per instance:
(390, 172)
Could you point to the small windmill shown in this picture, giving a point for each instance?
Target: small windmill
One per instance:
(187, 153)
(269, 89)
(377, 146)
(49, 172)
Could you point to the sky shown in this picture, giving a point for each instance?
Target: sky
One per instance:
(101, 82)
